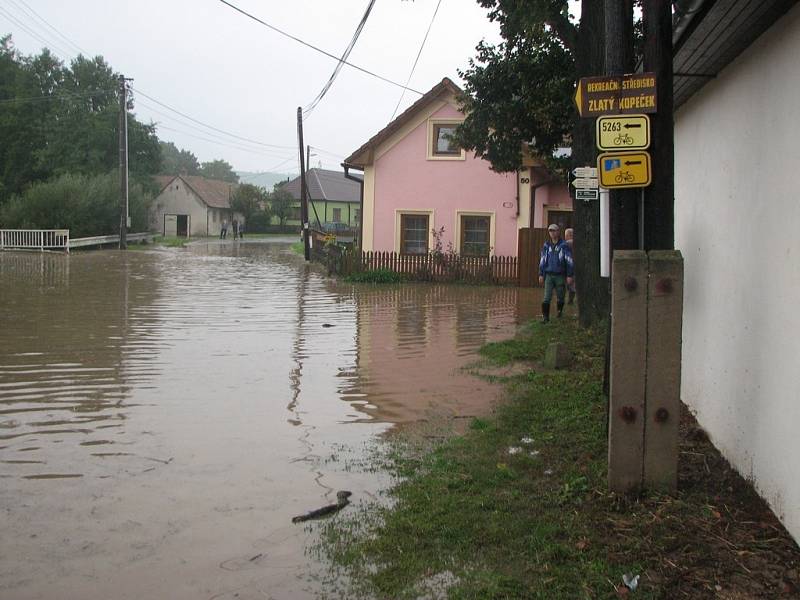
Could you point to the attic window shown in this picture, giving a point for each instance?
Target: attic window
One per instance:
(441, 145)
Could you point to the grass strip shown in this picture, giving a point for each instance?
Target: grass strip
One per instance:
(518, 507)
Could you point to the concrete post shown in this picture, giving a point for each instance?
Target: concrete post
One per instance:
(664, 327)
(627, 371)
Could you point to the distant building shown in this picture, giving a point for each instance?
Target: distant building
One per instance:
(333, 198)
(190, 205)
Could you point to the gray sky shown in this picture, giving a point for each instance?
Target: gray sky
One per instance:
(219, 67)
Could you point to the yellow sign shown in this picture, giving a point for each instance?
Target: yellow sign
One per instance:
(623, 132)
(624, 169)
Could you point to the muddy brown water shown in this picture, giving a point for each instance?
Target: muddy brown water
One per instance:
(164, 413)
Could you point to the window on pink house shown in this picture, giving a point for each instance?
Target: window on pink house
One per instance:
(443, 144)
(475, 236)
(413, 234)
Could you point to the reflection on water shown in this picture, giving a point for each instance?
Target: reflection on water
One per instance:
(164, 413)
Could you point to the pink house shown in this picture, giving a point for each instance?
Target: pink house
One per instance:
(417, 182)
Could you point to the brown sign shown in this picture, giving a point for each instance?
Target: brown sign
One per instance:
(616, 95)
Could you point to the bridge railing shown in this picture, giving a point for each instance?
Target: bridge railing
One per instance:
(34, 239)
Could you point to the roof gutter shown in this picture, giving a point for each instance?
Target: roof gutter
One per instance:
(685, 13)
(360, 182)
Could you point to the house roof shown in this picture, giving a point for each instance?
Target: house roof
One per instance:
(361, 157)
(213, 192)
(709, 34)
(324, 184)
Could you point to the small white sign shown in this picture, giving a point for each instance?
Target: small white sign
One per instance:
(585, 183)
(585, 172)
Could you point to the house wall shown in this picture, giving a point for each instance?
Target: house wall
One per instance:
(736, 217)
(553, 196)
(325, 211)
(403, 178)
(177, 198)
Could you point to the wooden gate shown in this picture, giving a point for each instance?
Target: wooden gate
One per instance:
(530, 244)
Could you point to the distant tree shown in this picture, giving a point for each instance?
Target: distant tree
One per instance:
(175, 161)
(56, 119)
(219, 169)
(281, 203)
(248, 200)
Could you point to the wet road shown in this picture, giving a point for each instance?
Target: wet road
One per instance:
(164, 413)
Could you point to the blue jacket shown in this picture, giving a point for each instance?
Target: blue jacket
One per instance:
(556, 259)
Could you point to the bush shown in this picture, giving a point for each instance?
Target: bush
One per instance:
(86, 205)
(376, 276)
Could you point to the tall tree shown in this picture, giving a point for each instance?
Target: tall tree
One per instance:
(281, 203)
(177, 162)
(519, 95)
(219, 169)
(248, 200)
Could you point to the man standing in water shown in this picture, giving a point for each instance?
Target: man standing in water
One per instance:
(555, 270)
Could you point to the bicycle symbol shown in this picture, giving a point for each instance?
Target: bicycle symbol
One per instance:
(623, 139)
(624, 177)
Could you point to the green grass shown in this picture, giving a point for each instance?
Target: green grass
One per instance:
(375, 276)
(171, 241)
(472, 520)
(298, 248)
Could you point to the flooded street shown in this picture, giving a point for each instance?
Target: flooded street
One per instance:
(164, 413)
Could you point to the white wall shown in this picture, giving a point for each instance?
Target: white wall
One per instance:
(178, 198)
(737, 182)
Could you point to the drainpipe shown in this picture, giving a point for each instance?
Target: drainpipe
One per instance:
(360, 199)
(517, 171)
(533, 196)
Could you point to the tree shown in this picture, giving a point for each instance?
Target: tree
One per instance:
(281, 203)
(248, 200)
(518, 94)
(56, 119)
(177, 162)
(219, 169)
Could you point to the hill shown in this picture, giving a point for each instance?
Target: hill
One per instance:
(264, 179)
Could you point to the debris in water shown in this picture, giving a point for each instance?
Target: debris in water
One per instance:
(514, 450)
(526, 440)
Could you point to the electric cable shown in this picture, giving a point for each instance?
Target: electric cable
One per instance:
(138, 91)
(416, 60)
(320, 50)
(243, 148)
(27, 9)
(307, 111)
(54, 48)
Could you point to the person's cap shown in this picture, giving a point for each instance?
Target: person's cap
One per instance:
(553, 227)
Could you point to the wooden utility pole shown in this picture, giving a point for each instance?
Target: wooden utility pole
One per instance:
(619, 61)
(123, 164)
(303, 187)
(659, 198)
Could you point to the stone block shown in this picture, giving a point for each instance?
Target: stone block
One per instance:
(557, 356)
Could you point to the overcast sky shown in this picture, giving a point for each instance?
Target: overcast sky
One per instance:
(219, 67)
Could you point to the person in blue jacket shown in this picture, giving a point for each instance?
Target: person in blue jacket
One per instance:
(556, 270)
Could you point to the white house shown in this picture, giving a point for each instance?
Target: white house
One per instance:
(189, 205)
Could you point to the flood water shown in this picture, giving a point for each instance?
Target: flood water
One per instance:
(164, 413)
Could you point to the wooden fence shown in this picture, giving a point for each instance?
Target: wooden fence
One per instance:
(519, 270)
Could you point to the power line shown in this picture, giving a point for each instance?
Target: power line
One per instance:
(63, 95)
(58, 51)
(233, 135)
(339, 65)
(416, 60)
(222, 139)
(26, 8)
(243, 148)
(320, 50)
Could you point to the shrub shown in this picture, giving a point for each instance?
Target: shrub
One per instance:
(86, 205)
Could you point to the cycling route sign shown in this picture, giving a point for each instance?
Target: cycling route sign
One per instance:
(624, 170)
(623, 132)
